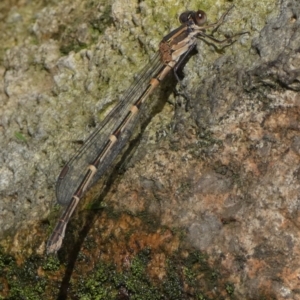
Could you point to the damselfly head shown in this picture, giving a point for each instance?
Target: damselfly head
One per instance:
(185, 16)
(198, 17)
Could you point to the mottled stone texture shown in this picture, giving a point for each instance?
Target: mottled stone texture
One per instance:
(254, 196)
(233, 180)
(225, 173)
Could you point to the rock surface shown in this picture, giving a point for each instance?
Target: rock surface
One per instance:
(225, 173)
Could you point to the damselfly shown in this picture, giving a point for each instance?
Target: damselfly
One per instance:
(102, 147)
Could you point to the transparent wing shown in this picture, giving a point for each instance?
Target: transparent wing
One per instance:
(75, 170)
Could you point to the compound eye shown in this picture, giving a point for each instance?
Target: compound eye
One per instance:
(186, 16)
(199, 17)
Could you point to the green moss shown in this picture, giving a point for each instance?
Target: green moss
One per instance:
(19, 136)
(197, 257)
(172, 286)
(51, 264)
(31, 291)
(229, 288)
(100, 24)
(106, 283)
(188, 277)
(6, 261)
(22, 280)
(97, 286)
